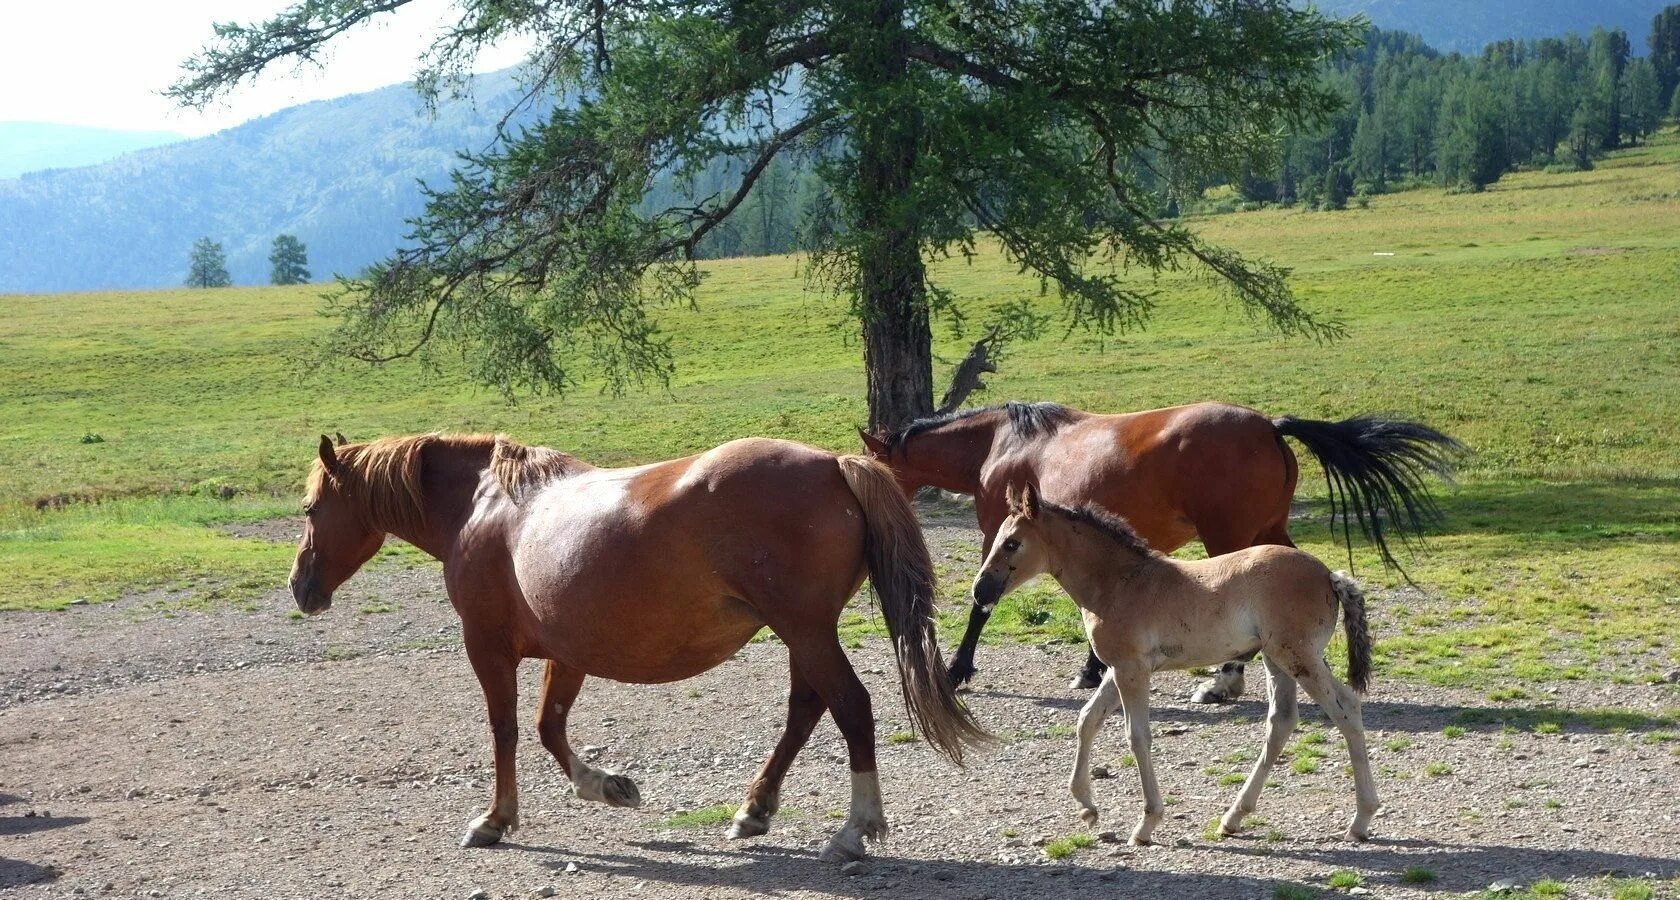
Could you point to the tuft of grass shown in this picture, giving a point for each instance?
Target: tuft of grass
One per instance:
(1230, 778)
(902, 737)
(1552, 803)
(1310, 738)
(1303, 765)
(1009, 831)
(1344, 879)
(1547, 887)
(1287, 891)
(1452, 731)
(705, 817)
(1631, 889)
(1397, 744)
(1211, 832)
(1437, 769)
(1063, 847)
(374, 609)
(1507, 694)
(1547, 728)
(1417, 875)
(1274, 835)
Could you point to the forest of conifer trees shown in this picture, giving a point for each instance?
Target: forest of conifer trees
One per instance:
(1412, 116)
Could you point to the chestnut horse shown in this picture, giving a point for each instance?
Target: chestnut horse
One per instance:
(647, 574)
(1210, 470)
(1145, 612)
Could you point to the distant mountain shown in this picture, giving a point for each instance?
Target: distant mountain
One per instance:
(33, 146)
(1469, 25)
(340, 174)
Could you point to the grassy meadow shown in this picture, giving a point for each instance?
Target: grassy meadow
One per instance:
(1538, 321)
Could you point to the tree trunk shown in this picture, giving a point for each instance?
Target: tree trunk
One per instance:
(897, 339)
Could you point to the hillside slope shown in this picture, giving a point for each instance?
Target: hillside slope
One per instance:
(33, 146)
(1454, 25)
(340, 174)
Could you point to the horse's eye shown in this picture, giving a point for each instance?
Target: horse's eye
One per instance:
(309, 509)
(1011, 545)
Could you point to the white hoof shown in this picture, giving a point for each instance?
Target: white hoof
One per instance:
(480, 833)
(746, 826)
(1088, 816)
(844, 847)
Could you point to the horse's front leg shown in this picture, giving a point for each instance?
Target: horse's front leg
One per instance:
(561, 684)
(1091, 719)
(1133, 682)
(805, 709)
(497, 669)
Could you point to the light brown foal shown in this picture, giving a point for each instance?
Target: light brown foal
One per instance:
(648, 574)
(1145, 612)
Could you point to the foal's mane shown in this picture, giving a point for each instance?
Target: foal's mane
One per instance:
(1025, 420)
(1106, 523)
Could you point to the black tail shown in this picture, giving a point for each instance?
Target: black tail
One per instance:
(1374, 468)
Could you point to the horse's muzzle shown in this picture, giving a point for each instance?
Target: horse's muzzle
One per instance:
(987, 589)
(309, 596)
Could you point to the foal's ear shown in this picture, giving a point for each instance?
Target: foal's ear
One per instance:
(1029, 501)
(873, 444)
(329, 456)
(339, 436)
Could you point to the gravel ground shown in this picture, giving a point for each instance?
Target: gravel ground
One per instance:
(151, 750)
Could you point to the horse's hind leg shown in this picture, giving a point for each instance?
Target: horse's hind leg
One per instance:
(1091, 718)
(1342, 705)
(1280, 724)
(829, 673)
(805, 708)
(497, 672)
(561, 684)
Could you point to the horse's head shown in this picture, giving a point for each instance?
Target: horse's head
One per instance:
(881, 450)
(337, 536)
(1018, 549)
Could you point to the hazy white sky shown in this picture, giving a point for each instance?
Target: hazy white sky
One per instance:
(103, 62)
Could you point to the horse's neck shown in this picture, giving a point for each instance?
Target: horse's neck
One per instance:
(449, 481)
(1088, 565)
(953, 455)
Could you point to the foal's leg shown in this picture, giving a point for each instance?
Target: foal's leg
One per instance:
(829, 673)
(497, 670)
(805, 708)
(1342, 705)
(1280, 724)
(1091, 718)
(1133, 683)
(560, 689)
(1219, 538)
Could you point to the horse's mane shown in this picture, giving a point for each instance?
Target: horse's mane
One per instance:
(1106, 523)
(519, 468)
(383, 477)
(1025, 420)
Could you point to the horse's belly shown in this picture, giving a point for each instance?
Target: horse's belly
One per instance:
(625, 639)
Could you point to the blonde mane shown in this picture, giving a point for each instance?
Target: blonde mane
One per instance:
(382, 477)
(518, 468)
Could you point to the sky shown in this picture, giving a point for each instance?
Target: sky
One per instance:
(104, 62)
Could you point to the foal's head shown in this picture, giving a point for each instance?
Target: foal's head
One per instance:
(338, 535)
(1018, 549)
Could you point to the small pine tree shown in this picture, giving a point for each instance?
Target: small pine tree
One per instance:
(288, 261)
(1674, 107)
(207, 267)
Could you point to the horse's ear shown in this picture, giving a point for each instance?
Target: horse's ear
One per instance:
(1029, 501)
(876, 447)
(339, 436)
(329, 456)
(1011, 500)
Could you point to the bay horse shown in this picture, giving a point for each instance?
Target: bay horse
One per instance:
(1145, 612)
(1216, 471)
(647, 574)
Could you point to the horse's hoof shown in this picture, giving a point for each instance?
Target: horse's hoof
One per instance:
(843, 847)
(1358, 835)
(617, 790)
(480, 834)
(746, 826)
(1084, 681)
(1230, 825)
(1088, 816)
(961, 674)
(1140, 841)
(1209, 693)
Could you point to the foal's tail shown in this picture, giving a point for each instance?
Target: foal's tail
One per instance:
(1374, 468)
(1358, 636)
(902, 574)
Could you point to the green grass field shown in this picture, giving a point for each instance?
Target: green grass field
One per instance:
(1539, 321)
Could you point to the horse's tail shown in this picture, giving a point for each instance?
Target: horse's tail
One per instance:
(902, 574)
(1374, 468)
(1358, 635)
